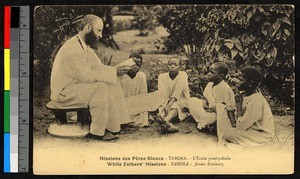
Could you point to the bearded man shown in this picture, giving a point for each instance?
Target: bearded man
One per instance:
(79, 79)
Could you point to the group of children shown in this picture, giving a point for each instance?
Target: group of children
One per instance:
(244, 118)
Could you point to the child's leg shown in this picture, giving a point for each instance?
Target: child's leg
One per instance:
(223, 122)
(202, 117)
(170, 116)
(141, 119)
(248, 138)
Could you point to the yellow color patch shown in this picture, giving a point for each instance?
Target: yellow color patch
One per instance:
(6, 69)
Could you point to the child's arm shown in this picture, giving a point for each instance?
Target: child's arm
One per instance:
(210, 109)
(239, 103)
(252, 114)
(205, 106)
(180, 85)
(177, 91)
(169, 105)
(231, 117)
(165, 110)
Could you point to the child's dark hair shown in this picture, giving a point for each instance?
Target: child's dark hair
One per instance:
(175, 57)
(222, 68)
(252, 74)
(136, 55)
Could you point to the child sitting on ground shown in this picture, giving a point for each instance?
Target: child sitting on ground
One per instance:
(216, 91)
(254, 125)
(175, 90)
(134, 83)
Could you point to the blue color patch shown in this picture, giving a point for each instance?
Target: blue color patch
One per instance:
(6, 152)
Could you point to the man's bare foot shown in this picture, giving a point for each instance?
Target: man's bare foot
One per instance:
(92, 136)
(109, 136)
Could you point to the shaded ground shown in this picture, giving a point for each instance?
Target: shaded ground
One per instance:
(284, 127)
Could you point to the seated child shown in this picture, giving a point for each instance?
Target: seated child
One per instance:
(175, 90)
(134, 83)
(254, 125)
(216, 91)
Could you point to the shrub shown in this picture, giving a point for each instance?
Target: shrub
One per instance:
(122, 25)
(145, 18)
(240, 35)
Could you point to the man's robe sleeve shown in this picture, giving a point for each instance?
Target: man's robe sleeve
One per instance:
(89, 68)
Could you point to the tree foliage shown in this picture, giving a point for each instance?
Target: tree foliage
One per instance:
(145, 18)
(53, 25)
(240, 35)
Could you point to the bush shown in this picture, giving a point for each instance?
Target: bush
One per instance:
(240, 35)
(122, 25)
(122, 10)
(153, 66)
(145, 18)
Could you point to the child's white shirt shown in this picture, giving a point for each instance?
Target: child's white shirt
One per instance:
(177, 88)
(221, 93)
(257, 115)
(134, 86)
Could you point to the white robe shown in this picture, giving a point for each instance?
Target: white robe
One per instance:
(219, 94)
(133, 87)
(177, 88)
(79, 79)
(255, 127)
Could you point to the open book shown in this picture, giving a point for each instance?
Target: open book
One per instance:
(129, 62)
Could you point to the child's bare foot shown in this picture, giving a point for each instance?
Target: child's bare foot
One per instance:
(151, 119)
(200, 126)
(169, 128)
(160, 120)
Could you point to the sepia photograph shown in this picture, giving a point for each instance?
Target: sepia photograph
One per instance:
(163, 89)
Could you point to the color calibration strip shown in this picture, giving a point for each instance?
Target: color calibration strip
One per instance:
(16, 89)
(7, 15)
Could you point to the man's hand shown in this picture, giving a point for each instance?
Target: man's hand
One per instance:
(122, 70)
(107, 60)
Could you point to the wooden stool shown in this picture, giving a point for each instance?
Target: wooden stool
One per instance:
(83, 114)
